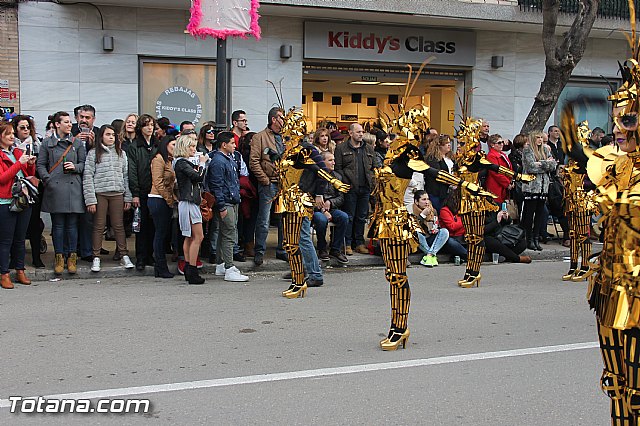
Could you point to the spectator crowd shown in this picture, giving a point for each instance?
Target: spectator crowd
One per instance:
(190, 194)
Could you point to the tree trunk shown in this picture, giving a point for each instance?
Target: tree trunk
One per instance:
(560, 60)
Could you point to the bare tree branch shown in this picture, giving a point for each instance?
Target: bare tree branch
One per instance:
(560, 60)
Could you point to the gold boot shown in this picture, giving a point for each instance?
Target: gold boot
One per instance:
(58, 269)
(72, 263)
(395, 340)
(297, 292)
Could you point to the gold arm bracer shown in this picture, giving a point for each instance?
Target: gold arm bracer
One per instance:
(337, 184)
(506, 171)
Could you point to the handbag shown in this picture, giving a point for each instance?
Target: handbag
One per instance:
(510, 235)
(206, 205)
(512, 209)
(23, 194)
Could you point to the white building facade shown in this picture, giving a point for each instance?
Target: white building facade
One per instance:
(156, 68)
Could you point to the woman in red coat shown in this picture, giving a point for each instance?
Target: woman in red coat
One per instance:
(14, 225)
(498, 183)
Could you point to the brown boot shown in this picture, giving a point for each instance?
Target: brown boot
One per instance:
(58, 269)
(249, 249)
(525, 259)
(72, 263)
(6, 281)
(21, 277)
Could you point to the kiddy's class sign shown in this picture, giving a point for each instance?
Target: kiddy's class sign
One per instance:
(179, 104)
(338, 40)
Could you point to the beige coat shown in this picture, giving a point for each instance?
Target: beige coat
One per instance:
(163, 179)
(259, 163)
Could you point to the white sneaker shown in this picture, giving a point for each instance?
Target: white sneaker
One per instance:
(220, 270)
(233, 274)
(126, 262)
(96, 265)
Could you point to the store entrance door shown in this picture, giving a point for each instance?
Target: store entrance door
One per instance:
(347, 94)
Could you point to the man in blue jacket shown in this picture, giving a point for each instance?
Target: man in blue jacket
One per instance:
(222, 179)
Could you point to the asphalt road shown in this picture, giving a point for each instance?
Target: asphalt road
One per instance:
(309, 361)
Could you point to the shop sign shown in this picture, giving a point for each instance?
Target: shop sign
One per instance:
(349, 117)
(4, 90)
(179, 104)
(341, 40)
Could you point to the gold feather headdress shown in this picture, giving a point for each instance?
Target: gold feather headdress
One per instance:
(411, 125)
(626, 97)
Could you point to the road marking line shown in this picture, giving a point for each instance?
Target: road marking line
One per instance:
(321, 372)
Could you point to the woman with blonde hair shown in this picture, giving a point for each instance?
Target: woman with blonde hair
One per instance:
(189, 177)
(128, 132)
(322, 140)
(536, 160)
(437, 147)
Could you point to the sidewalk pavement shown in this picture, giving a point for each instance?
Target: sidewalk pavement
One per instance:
(111, 269)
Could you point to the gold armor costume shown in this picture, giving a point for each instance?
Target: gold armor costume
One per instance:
(391, 224)
(473, 208)
(292, 202)
(615, 287)
(579, 204)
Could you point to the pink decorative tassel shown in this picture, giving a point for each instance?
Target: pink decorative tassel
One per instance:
(196, 18)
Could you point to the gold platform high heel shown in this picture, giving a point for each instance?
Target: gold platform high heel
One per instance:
(464, 279)
(289, 290)
(569, 275)
(297, 292)
(472, 281)
(395, 340)
(581, 274)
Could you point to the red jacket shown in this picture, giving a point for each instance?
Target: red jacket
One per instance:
(9, 169)
(496, 182)
(452, 223)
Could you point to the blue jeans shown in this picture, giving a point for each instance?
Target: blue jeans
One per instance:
(14, 231)
(454, 247)
(64, 229)
(265, 197)
(356, 206)
(320, 222)
(161, 215)
(213, 234)
(434, 242)
(309, 256)
(85, 234)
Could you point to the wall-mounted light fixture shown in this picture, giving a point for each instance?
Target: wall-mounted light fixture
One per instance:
(107, 43)
(497, 61)
(286, 51)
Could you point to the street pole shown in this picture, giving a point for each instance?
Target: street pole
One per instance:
(221, 85)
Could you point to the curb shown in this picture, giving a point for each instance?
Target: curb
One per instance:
(550, 252)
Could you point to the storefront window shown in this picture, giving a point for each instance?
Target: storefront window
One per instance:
(178, 91)
(590, 103)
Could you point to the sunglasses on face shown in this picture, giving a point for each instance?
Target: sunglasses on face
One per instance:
(210, 131)
(24, 127)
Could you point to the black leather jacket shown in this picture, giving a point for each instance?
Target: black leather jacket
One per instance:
(189, 177)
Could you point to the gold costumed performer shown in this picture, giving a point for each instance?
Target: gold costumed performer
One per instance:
(579, 205)
(293, 203)
(392, 225)
(470, 161)
(615, 286)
